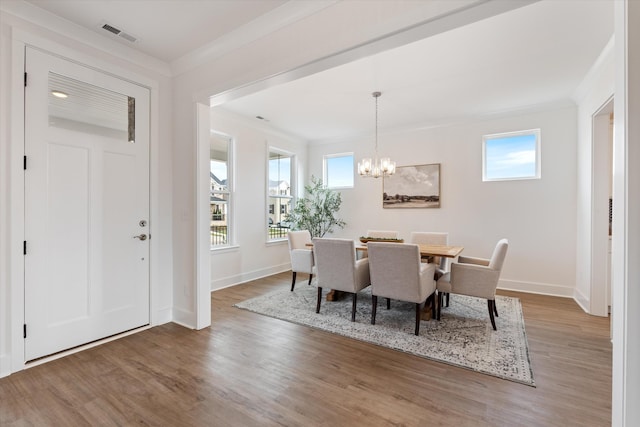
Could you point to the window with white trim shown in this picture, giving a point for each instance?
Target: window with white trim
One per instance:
(338, 170)
(511, 156)
(280, 191)
(221, 193)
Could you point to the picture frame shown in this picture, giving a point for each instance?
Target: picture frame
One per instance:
(416, 186)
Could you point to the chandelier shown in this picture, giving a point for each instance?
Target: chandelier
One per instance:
(377, 167)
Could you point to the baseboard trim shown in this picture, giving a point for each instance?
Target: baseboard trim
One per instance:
(184, 318)
(162, 316)
(581, 300)
(5, 365)
(537, 288)
(227, 282)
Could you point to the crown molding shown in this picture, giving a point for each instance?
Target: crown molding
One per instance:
(605, 57)
(270, 22)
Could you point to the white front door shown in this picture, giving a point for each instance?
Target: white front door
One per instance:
(86, 205)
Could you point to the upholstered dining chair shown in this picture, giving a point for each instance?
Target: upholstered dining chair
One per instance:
(301, 254)
(337, 268)
(434, 238)
(398, 273)
(476, 277)
(382, 234)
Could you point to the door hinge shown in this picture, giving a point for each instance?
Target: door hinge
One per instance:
(24, 247)
(25, 163)
(24, 330)
(25, 79)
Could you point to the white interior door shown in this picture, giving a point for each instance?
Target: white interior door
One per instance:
(86, 205)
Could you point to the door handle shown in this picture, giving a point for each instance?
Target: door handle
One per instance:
(141, 237)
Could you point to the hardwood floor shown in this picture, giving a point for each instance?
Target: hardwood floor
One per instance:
(252, 370)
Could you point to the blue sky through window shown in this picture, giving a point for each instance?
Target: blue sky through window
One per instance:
(511, 156)
(219, 169)
(280, 169)
(339, 171)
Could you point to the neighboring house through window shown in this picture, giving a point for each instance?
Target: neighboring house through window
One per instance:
(279, 192)
(220, 195)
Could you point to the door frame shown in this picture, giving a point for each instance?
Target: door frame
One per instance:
(20, 40)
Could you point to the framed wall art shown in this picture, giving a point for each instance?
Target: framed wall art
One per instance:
(412, 187)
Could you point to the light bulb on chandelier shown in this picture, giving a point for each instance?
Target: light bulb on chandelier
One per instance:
(376, 167)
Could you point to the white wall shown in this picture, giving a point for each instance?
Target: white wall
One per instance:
(252, 257)
(537, 216)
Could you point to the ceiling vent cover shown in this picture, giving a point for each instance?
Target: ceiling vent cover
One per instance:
(111, 29)
(118, 32)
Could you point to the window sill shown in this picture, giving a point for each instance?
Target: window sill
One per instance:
(224, 249)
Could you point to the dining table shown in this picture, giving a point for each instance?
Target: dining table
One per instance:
(428, 250)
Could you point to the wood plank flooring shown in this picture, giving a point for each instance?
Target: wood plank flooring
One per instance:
(252, 370)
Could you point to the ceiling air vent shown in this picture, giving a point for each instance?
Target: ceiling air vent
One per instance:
(119, 33)
(111, 29)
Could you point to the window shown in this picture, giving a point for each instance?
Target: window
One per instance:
(220, 193)
(511, 156)
(338, 170)
(279, 193)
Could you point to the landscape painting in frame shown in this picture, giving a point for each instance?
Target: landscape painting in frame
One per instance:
(412, 187)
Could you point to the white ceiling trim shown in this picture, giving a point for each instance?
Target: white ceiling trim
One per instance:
(37, 16)
(607, 55)
(268, 23)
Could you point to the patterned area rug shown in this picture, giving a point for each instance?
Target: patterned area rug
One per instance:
(463, 337)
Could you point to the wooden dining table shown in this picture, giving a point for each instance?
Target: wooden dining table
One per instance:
(427, 250)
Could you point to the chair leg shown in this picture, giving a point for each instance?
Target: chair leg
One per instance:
(388, 303)
(439, 305)
(374, 303)
(293, 282)
(433, 305)
(447, 299)
(491, 304)
(353, 307)
(310, 277)
(319, 299)
(495, 308)
(418, 317)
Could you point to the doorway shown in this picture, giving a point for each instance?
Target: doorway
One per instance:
(602, 188)
(86, 265)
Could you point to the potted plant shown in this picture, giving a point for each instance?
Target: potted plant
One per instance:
(317, 210)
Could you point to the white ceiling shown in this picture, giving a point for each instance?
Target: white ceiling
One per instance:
(535, 55)
(165, 29)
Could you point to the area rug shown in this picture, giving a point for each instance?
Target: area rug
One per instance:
(463, 337)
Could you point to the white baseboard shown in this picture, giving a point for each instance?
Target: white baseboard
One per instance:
(581, 300)
(5, 365)
(184, 318)
(237, 279)
(162, 316)
(537, 288)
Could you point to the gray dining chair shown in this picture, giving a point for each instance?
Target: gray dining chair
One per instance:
(397, 273)
(434, 238)
(476, 277)
(337, 268)
(301, 255)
